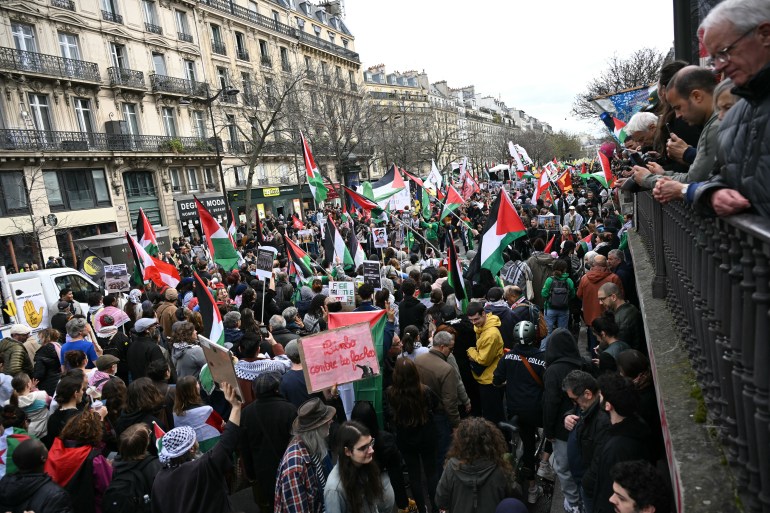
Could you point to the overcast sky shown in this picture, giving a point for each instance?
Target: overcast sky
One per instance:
(534, 55)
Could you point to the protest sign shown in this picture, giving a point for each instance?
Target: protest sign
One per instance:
(30, 308)
(372, 273)
(343, 291)
(265, 258)
(220, 364)
(116, 278)
(549, 222)
(380, 236)
(305, 236)
(338, 356)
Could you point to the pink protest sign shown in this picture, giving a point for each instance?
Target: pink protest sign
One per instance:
(338, 356)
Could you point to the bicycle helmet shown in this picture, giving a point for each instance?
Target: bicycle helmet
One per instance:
(525, 333)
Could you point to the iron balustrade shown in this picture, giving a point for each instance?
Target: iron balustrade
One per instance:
(44, 64)
(59, 141)
(326, 45)
(285, 67)
(64, 4)
(155, 29)
(218, 47)
(181, 86)
(715, 276)
(242, 55)
(184, 37)
(126, 77)
(112, 16)
(238, 146)
(266, 61)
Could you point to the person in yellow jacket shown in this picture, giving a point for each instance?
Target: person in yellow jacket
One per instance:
(484, 358)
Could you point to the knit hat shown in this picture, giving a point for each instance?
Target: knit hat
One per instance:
(311, 415)
(144, 323)
(176, 443)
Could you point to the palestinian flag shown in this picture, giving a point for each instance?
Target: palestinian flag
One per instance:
(208, 425)
(413, 178)
(616, 127)
(344, 216)
(146, 235)
(359, 200)
(10, 439)
(425, 203)
(390, 184)
(232, 231)
(220, 247)
(298, 258)
(158, 433)
(158, 271)
(354, 249)
(549, 246)
(213, 328)
(455, 277)
(314, 178)
(503, 227)
(586, 243)
(605, 177)
(335, 249)
(452, 203)
(368, 389)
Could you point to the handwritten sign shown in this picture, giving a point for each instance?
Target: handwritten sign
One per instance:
(343, 291)
(338, 356)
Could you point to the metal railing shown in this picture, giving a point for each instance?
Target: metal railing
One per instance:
(250, 99)
(237, 146)
(44, 64)
(266, 61)
(64, 4)
(242, 54)
(715, 276)
(181, 86)
(326, 45)
(112, 16)
(184, 37)
(285, 67)
(57, 141)
(155, 29)
(126, 77)
(219, 47)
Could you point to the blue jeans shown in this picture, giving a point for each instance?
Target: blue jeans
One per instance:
(556, 319)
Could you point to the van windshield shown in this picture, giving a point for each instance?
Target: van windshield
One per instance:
(80, 287)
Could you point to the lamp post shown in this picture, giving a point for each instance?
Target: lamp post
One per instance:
(208, 101)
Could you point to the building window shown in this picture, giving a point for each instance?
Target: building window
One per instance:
(253, 7)
(208, 174)
(240, 175)
(189, 70)
(140, 184)
(192, 179)
(345, 42)
(83, 115)
(331, 37)
(232, 129)
(216, 34)
(263, 51)
(24, 37)
(131, 118)
(285, 59)
(300, 23)
(308, 63)
(176, 180)
(159, 63)
(222, 76)
(199, 123)
(13, 193)
(40, 112)
(277, 16)
(76, 189)
(68, 44)
(118, 53)
(182, 27)
(240, 47)
(169, 121)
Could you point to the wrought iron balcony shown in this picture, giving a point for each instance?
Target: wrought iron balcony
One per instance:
(126, 78)
(250, 99)
(184, 37)
(353, 86)
(340, 83)
(218, 47)
(266, 61)
(155, 29)
(239, 147)
(56, 141)
(52, 65)
(180, 86)
(112, 16)
(285, 67)
(241, 54)
(64, 4)
(327, 46)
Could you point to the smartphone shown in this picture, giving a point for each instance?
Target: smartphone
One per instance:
(668, 127)
(263, 331)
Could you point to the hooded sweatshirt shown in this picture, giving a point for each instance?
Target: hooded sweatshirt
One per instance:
(35, 405)
(588, 291)
(561, 357)
(488, 349)
(188, 359)
(476, 487)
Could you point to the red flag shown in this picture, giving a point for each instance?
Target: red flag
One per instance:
(549, 246)
(297, 223)
(360, 200)
(607, 168)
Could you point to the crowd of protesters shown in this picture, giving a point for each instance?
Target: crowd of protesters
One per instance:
(104, 415)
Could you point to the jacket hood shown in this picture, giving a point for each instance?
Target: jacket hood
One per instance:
(631, 427)
(597, 274)
(492, 321)
(473, 473)
(179, 349)
(562, 346)
(16, 489)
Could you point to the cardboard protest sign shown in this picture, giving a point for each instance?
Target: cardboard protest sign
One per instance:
(343, 291)
(342, 355)
(380, 236)
(220, 363)
(305, 236)
(372, 273)
(116, 278)
(265, 258)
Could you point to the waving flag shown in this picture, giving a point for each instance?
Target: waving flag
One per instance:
(391, 183)
(220, 246)
(503, 227)
(425, 203)
(587, 243)
(213, 328)
(434, 179)
(314, 178)
(452, 203)
(463, 169)
(355, 249)
(606, 175)
(158, 271)
(300, 259)
(549, 246)
(455, 277)
(542, 186)
(232, 231)
(158, 433)
(145, 235)
(565, 182)
(470, 187)
(515, 154)
(523, 154)
(334, 245)
(615, 126)
(360, 200)
(296, 222)
(413, 178)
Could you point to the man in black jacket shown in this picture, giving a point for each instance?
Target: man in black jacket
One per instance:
(31, 489)
(143, 348)
(411, 311)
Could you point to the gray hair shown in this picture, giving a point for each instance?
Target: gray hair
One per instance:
(315, 441)
(276, 322)
(289, 314)
(618, 254)
(725, 85)
(640, 121)
(741, 14)
(443, 338)
(75, 327)
(231, 319)
(578, 382)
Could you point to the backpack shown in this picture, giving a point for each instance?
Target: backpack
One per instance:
(537, 318)
(129, 492)
(559, 299)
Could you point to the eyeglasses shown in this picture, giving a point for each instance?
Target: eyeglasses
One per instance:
(601, 298)
(723, 55)
(366, 447)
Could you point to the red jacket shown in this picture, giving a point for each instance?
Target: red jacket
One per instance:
(588, 291)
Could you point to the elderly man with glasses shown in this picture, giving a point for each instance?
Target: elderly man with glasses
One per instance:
(737, 36)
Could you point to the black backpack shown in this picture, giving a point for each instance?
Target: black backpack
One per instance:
(129, 491)
(559, 299)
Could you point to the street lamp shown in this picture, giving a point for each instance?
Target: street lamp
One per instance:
(228, 91)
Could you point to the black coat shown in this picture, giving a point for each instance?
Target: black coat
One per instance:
(47, 369)
(591, 433)
(561, 358)
(283, 336)
(142, 351)
(33, 492)
(411, 312)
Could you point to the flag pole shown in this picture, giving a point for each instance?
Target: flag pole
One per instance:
(420, 236)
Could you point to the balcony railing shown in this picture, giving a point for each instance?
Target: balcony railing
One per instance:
(64, 4)
(112, 16)
(155, 29)
(327, 46)
(249, 98)
(219, 47)
(353, 86)
(55, 141)
(43, 64)
(266, 61)
(238, 147)
(340, 83)
(714, 274)
(126, 78)
(184, 37)
(180, 86)
(285, 67)
(241, 54)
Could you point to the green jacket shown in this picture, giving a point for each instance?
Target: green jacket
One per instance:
(546, 292)
(431, 230)
(16, 357)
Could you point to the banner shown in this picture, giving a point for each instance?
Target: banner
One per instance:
(91, 265)
(116, 278)
(338, 356)
(31, 308)
(343, 291)
(306, 236)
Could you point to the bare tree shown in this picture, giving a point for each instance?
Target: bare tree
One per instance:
(443, 138)
(641, 68)
(401, 134)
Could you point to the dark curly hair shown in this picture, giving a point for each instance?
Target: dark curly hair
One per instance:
(478, 439)
(85, 427)
(114, 394)
(143, 396)
(644, 485)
